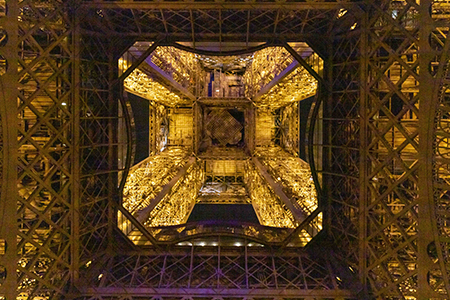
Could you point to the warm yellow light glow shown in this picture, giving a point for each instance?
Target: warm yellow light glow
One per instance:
(132, 54)
(298, 85)
(142, 84)
(279, 106)
(146, 179)
(267, 63)
(181, 65)
(268, 207)
(265, 128)
(290, 125)
(175, 207)
(294, 174)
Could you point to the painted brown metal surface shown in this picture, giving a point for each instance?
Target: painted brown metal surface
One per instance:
(383, 168)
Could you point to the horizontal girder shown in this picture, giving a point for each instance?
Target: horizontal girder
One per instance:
(267, 293)
(249, 5)
(213, 22)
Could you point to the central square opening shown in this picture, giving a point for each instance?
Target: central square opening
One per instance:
(224, 127)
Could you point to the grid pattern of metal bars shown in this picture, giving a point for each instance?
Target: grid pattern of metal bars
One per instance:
(212, 272)
(63, 89)
(45, 149)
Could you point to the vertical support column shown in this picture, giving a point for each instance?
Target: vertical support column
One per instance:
(250, 127)
(246, 266)
(427, 111)
(115, 91)
(152, 129)
(196, 111)
(191, 266)
(363, 148)
(326, 128)
(219, 270)
(75, 157)
(8, 119)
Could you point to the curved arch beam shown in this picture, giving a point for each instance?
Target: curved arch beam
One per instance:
(222, 53)
(430, 89)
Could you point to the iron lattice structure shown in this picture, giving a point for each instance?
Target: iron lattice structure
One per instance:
(380, 156)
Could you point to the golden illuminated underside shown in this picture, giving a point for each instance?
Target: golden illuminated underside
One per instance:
(143, 85)
(175, 207)
(295, 87)
(182, 65)
(294, 174)
(163, 189)
(268, 207)
(266, 64)
(146, 179)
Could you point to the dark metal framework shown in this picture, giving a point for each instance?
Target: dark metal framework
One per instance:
(384, 169)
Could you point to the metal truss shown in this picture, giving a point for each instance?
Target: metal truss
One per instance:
(271, 209)
(8, 148)
(391, 211)
(289, 128)
(386, 83)
(376, 162)
(437, 245)
(216, 272)
(295, 176)
(297, 86)
(146, 179)
(263, 70)
(211, 22)
(142, 84)
(176, 206)
(45, 149)
(182, 66)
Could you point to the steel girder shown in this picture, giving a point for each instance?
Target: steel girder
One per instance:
(212, 272)
(434, 251)
(380, 175)
(8, 149)
(198, 22)
(60, 115)
(393, 233)
(45, 128)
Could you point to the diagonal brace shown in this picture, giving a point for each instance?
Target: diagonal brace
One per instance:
(137, 62)
(167, 80)
(277, 188)
(277, 79)
(303, 63)
(144, 213)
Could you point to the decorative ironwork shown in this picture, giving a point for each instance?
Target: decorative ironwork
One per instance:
(294, 175)
(223, 126)
(392, 147)
(45, 150)
(211, 274)
(175, 207)
(145, 86)
(289, 128)
(8, 149)
(268, 207)
(181, 65)
(438, 279)
(147, 178)
(297, 86)
(265, 66)
(386, 194)
(207, 22)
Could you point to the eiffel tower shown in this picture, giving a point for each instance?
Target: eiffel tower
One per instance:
(228, 150)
